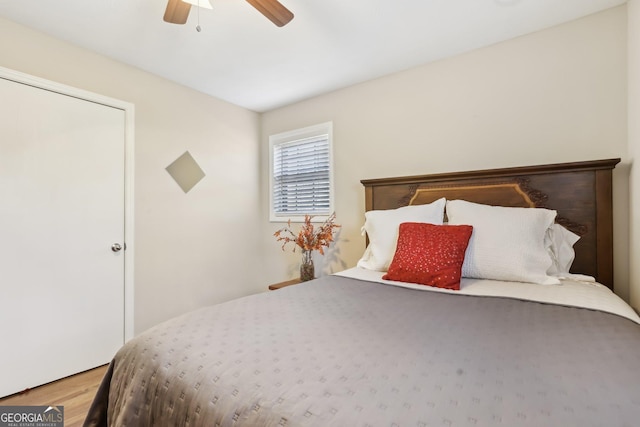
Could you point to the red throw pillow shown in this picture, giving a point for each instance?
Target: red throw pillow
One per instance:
(430, 254)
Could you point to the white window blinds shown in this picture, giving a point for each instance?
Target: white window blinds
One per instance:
(301, 176)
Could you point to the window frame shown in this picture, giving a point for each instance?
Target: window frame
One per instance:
(292, 136)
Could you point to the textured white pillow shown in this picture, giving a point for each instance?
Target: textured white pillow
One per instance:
(507, 243)
(382, 228)
(559, 242)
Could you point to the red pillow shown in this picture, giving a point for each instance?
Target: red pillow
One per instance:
(430, 254)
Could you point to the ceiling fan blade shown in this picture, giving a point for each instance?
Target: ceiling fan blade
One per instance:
(273, 10)
(177, 12)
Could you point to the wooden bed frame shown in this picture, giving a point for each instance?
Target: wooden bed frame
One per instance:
(581, 193)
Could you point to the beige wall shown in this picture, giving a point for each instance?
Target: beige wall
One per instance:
(190, 249)
(558, 95)
(633, 31)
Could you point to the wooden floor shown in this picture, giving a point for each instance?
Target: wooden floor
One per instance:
(75, 393)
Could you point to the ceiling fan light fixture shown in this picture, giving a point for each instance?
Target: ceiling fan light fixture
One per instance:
(200, 3)
(177, 11)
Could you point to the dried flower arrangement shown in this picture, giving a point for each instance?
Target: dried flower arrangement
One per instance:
(309, 238)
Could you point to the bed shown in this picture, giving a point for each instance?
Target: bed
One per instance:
(359, 348)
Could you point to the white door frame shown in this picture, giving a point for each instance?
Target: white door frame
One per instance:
(128, 109)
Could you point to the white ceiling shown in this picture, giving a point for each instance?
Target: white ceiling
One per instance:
(241, 57)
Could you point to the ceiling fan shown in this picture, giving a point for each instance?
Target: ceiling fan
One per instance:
(177, 11)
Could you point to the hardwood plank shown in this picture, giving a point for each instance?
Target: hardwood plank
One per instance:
(75, 393)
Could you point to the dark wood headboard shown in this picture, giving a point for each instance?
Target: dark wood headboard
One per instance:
(581, 193)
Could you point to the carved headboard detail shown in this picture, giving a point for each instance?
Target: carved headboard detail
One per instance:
(581, 193)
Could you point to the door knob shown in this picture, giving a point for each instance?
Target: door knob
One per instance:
(116, 247)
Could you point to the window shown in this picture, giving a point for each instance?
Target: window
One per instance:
(301, 173)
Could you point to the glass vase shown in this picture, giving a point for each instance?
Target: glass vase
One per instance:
(306, 267)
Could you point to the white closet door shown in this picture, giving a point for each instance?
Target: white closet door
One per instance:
(61, 209)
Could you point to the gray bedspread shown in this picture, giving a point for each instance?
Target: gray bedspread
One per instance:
(343, 352)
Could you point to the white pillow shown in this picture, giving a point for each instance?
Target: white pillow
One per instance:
(559, 242)
(382, 228)
(507, 243)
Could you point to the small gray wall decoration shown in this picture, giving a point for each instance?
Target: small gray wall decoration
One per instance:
(185, 171)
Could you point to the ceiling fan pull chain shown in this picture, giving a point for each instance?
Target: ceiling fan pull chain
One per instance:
(198, 29)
